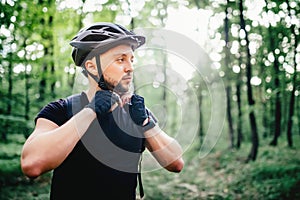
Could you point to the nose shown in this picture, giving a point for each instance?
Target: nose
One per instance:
(128, 67)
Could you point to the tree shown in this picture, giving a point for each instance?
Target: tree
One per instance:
(294, 41)
(273, 46)
(228, 72)
(254, 134)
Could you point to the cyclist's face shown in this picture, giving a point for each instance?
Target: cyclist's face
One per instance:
(117, 67)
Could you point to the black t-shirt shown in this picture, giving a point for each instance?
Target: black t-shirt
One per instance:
(104, 163)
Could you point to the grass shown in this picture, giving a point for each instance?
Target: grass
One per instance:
(13, 184)
(222, 174)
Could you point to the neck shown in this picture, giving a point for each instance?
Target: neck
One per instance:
(91, 91)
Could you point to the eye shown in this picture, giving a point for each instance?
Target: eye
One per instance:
(132, 60)
(120, 59)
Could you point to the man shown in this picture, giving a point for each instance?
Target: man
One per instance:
(94, 140)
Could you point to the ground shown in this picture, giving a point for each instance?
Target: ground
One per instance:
(222, 174)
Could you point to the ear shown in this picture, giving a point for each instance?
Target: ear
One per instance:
(91, 67)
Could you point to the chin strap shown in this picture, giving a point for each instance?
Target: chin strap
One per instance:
(101, 82)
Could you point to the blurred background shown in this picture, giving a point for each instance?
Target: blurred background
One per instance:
(253, 49)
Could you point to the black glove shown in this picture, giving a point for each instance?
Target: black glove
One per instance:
(137, 110)
(139, 113)
(102, 102)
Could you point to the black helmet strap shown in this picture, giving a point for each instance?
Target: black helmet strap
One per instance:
(100, 81)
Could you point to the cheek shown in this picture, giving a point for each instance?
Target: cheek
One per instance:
(114, 72)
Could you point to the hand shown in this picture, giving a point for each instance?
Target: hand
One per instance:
(137, 110)
(125, 99)
(103, 101)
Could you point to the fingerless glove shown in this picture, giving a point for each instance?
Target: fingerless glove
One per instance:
(102, 102)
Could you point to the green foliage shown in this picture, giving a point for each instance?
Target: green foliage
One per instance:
(41, 31)
(13, 124)
(10, 170)
(36, 67)
(222, 174)
(269, 181)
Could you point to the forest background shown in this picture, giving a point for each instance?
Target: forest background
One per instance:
(239, 123)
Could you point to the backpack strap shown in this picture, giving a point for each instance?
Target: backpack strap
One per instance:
(141, 188)
(75, 103)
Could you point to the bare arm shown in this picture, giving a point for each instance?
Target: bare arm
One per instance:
(49, 145)
(165, 149)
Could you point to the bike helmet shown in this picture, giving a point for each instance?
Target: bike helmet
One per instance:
(99, 38)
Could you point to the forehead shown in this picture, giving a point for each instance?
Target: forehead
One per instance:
(119, 50)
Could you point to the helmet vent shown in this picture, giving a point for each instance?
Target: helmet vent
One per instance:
(95, 38)
(112, 30)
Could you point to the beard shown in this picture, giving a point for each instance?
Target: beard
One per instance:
(120, 89)
(115, 86)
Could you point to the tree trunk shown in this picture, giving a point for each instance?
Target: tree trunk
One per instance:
(292, 97)
(239, 120)
(52, 65)
(200, 97)
(44, 68)
(263, 101)
(265, 120)
(71, 77)
(239, 104)
(53, 80)
(27, 99)
(164, 63)
(48, 78)
(277, 97)
(291, 111)
(132, 27)
(43, 81)
(201, 132)
(271, 121)
(10, 85)
(298, 112)
(254, 134)
(229, 117)
(228, 72)
(264, 106)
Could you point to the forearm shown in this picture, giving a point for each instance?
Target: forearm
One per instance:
(47, 148)
(165, 149)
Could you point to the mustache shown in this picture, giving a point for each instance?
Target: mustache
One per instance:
(128, 75)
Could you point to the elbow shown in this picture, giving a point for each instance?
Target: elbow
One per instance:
(179, 165)
(176, 166)
(30, 168)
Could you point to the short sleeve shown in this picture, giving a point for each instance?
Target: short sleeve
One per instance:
(55, 111)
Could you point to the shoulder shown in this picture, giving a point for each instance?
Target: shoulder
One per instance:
(55, 105)
(54, 111)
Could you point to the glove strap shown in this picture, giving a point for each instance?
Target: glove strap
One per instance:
(149, 125)
(89, 105)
